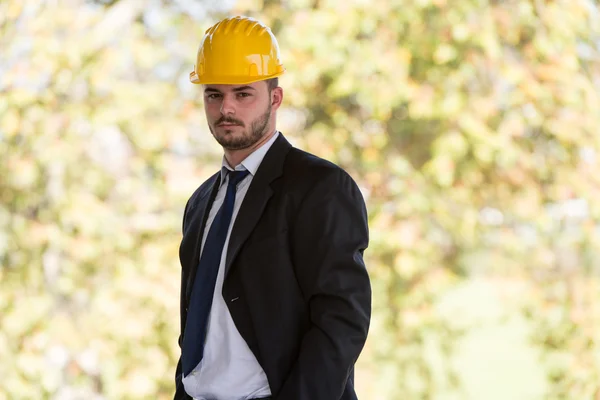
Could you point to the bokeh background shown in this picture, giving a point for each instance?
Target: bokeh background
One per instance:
(471, 127)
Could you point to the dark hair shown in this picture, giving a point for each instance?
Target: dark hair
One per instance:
(272, 83)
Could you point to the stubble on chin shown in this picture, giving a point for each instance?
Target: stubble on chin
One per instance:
(257, 130)
(229, 141)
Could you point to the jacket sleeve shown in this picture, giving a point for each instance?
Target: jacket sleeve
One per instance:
(330, 235)
(180, 393)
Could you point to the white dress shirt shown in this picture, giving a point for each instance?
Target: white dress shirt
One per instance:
(228, 369)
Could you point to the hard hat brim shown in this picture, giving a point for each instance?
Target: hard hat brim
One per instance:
(230, 80)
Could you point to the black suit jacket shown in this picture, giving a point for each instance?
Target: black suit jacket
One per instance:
(295, 281)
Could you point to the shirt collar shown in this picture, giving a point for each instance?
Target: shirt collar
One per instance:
(250, 163)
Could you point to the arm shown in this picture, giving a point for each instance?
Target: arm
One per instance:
(180, 393)
(329, 237)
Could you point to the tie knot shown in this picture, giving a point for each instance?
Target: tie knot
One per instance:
(236, 177)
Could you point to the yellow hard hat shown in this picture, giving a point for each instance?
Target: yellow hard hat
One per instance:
(237, 51)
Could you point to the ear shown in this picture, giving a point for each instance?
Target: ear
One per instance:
(276, 97)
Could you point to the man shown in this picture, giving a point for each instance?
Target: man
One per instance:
(275, 297)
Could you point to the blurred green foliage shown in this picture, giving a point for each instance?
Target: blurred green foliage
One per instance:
(471, 126)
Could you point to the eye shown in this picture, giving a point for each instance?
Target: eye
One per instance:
(213, 96)
(243, 94)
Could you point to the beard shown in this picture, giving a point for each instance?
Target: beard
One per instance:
(249, 137)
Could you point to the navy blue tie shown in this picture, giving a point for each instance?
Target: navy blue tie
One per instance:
(206, 278)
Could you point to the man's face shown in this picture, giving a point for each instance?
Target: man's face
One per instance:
(238, 115)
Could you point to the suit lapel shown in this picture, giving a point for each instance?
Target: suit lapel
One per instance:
(199, 215)
(256, 198)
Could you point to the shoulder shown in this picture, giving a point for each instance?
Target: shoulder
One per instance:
(316, 185)
(203, 190)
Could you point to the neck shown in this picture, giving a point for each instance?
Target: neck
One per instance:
(235, 157)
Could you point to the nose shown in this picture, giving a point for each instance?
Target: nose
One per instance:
(227, 106)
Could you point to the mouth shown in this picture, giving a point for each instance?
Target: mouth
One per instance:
(226, 125)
